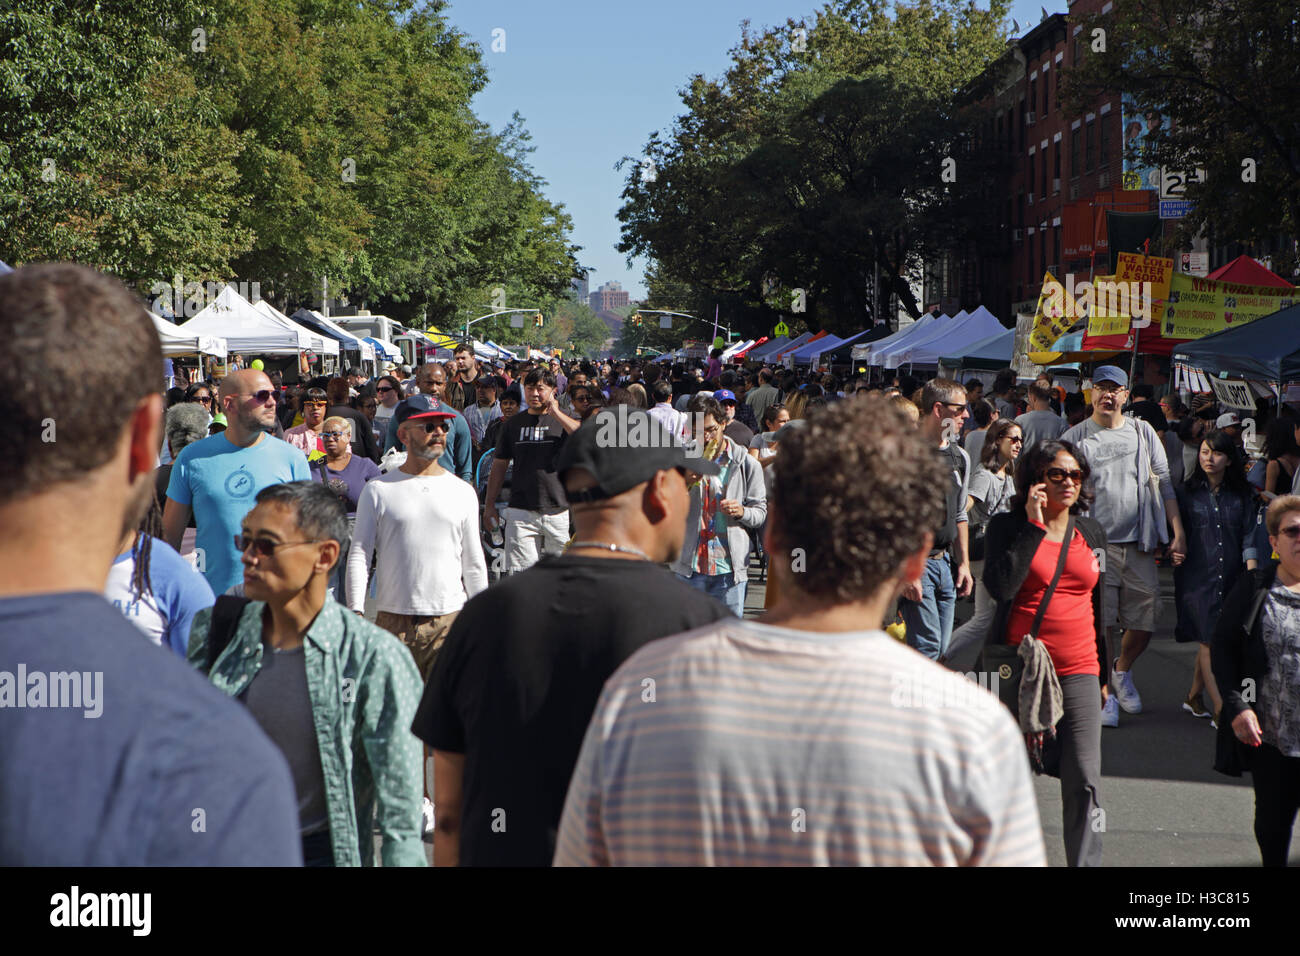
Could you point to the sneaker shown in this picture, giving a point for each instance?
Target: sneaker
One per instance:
(1110, 712)
(1196, 707)
(1122, 683)
(426, 818)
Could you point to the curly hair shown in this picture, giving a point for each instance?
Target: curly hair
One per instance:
(856, 490)
(1032, 465)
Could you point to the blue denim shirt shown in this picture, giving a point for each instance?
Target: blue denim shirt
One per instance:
(1220, 540)
(364, 689)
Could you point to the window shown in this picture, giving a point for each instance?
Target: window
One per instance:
(1104, 133)
(1046, 179)
(1056, 162)
(1090, 147)
(1074, 153)
(1030, 174)
(1047, 77)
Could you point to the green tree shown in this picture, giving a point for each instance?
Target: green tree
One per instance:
(785, 184)
(1227, 77)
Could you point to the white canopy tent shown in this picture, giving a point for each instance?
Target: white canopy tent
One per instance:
(941, 329)
(883, 347)
(975, 327)
(249, 330)
(329, 346)
(175, 342)
(738, 347)
(350, 340)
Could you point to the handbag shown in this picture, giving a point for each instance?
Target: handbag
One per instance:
(1004, 660)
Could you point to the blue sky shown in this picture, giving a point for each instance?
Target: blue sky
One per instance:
(593, 79)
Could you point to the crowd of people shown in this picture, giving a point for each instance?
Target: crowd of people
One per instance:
(450, 610)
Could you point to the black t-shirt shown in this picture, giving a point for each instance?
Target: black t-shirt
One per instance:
(740, 433)
(517, 680)
(534, 442)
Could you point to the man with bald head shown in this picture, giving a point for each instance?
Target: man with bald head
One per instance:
(457, 458)
(216, 479)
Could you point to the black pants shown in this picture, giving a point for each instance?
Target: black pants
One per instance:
(316, 849)
(1277, 797)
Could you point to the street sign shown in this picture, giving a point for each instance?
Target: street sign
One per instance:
(1175, 208)
(1196, 263)
(1173, 182)
(781, 329)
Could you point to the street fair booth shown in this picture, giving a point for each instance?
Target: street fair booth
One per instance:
(894, 357)
(253, 332)
(807, 354)
(1246, 362)
(176, 343)
(759, 353)
(988, 354)
(778, 355)
(743, 354)
(882, 348)
(735, 349)
(356, 350)
(960, 333)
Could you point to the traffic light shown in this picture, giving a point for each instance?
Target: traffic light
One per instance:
(537, 320)
(636, 318)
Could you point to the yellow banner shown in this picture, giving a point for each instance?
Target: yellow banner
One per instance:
(1050, 318)
(1139, 288)
(1200, 307)
(1107, 315)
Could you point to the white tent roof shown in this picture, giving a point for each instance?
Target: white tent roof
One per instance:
(738, 347)
(350, 340)
(247, 329)
(936, 332)
(176, 342)
(979, 325)
(881, 347)
(329, 346)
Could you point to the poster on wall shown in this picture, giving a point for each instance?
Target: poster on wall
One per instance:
(1137, 126)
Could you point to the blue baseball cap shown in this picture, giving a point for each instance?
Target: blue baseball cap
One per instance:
(725, 395)
(1110, 373)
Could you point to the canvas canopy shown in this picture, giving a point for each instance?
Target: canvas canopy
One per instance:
(312, 319)
(176, 342)
(807, 354)
(992, 352)
(882, 348)
(759, 353)
(979, 325)
(248, 330)
(897, 353)
(1266, 350)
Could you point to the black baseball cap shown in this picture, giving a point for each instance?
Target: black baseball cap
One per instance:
(421, 406)
(622, 448)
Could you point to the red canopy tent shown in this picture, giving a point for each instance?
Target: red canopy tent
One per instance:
(1152, 340)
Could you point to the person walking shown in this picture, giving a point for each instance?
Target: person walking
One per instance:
(1024, 559)
(215, 479)
(1255, 656)
(1127, 460)
(1040, 422)
(542, 643)
(334, 692)
(805, 738)
(1218, 506)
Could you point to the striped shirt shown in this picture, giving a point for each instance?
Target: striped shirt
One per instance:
(743, 744)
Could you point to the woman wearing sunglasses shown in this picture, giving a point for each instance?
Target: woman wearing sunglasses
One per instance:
(1023, 548)
(346, 475)
(1218, 509)
(306, 437)
(1256, 658)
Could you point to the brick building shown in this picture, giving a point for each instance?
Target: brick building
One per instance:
(609, 296)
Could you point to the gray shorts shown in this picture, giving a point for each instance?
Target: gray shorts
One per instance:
(1132, 588)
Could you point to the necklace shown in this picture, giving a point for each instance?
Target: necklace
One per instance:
(608, 547)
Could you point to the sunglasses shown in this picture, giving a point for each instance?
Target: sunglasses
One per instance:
(204, 400)
(1291, 531)
(264, 547)
(316, 403)
(384, 388)
(1058, 475)
(438, 426)
(331, 434)
(262, 397)
(1015, 441)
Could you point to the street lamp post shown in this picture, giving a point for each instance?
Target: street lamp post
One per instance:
(685, 315)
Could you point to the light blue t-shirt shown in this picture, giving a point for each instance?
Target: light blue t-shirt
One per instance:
(219, 481)
(178, 593)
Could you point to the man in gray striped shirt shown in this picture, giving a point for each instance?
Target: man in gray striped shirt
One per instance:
(810, 737)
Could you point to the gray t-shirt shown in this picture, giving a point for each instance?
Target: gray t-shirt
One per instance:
(992, 494)
(278, 700)
(1112, 455)
(974, 443)
(1040, 426)
(1279, 719)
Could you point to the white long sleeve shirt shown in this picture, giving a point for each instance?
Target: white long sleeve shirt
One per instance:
(426, 531)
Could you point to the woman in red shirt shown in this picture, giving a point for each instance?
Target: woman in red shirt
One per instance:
(1022, 549)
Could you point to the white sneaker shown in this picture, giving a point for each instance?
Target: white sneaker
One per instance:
(1122, 682)
(426, 818)
(1110, 712)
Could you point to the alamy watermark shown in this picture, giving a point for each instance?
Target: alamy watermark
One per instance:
(82, 690)
(1104, 297)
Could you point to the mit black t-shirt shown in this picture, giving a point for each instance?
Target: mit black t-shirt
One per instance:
(534, 442)
(518, 678)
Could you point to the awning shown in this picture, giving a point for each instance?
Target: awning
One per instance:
(389, 351)
(1070, 348)
(314, 320)
(175, 342)
(1266, 350)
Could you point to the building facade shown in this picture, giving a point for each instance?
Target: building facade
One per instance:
(609, 296)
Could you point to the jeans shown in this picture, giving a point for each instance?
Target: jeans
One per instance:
(1082, 819)
(721, 587)
(929, 620)
(1277, 797)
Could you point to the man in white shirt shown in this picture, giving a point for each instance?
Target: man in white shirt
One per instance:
(674, 422)
(424, 522)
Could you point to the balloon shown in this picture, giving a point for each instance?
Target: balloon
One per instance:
(258, 364)
(717, 342)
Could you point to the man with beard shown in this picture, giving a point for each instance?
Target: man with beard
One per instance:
(216, 479)
(112, 751)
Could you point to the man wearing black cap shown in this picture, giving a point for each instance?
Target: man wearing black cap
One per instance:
(540, 645)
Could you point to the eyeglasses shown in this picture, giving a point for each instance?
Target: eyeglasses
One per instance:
(265, 547)
(384, 388)
(312, 403)
(262, 397)
(442, 425)
(1290, 531)
(331, 435)
(1058, 475)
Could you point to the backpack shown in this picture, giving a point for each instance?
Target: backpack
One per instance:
(221, 630)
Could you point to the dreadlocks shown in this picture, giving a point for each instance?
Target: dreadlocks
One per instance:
(150, 528)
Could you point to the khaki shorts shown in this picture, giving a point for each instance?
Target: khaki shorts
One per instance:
(1132, 588)
(422, 634)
